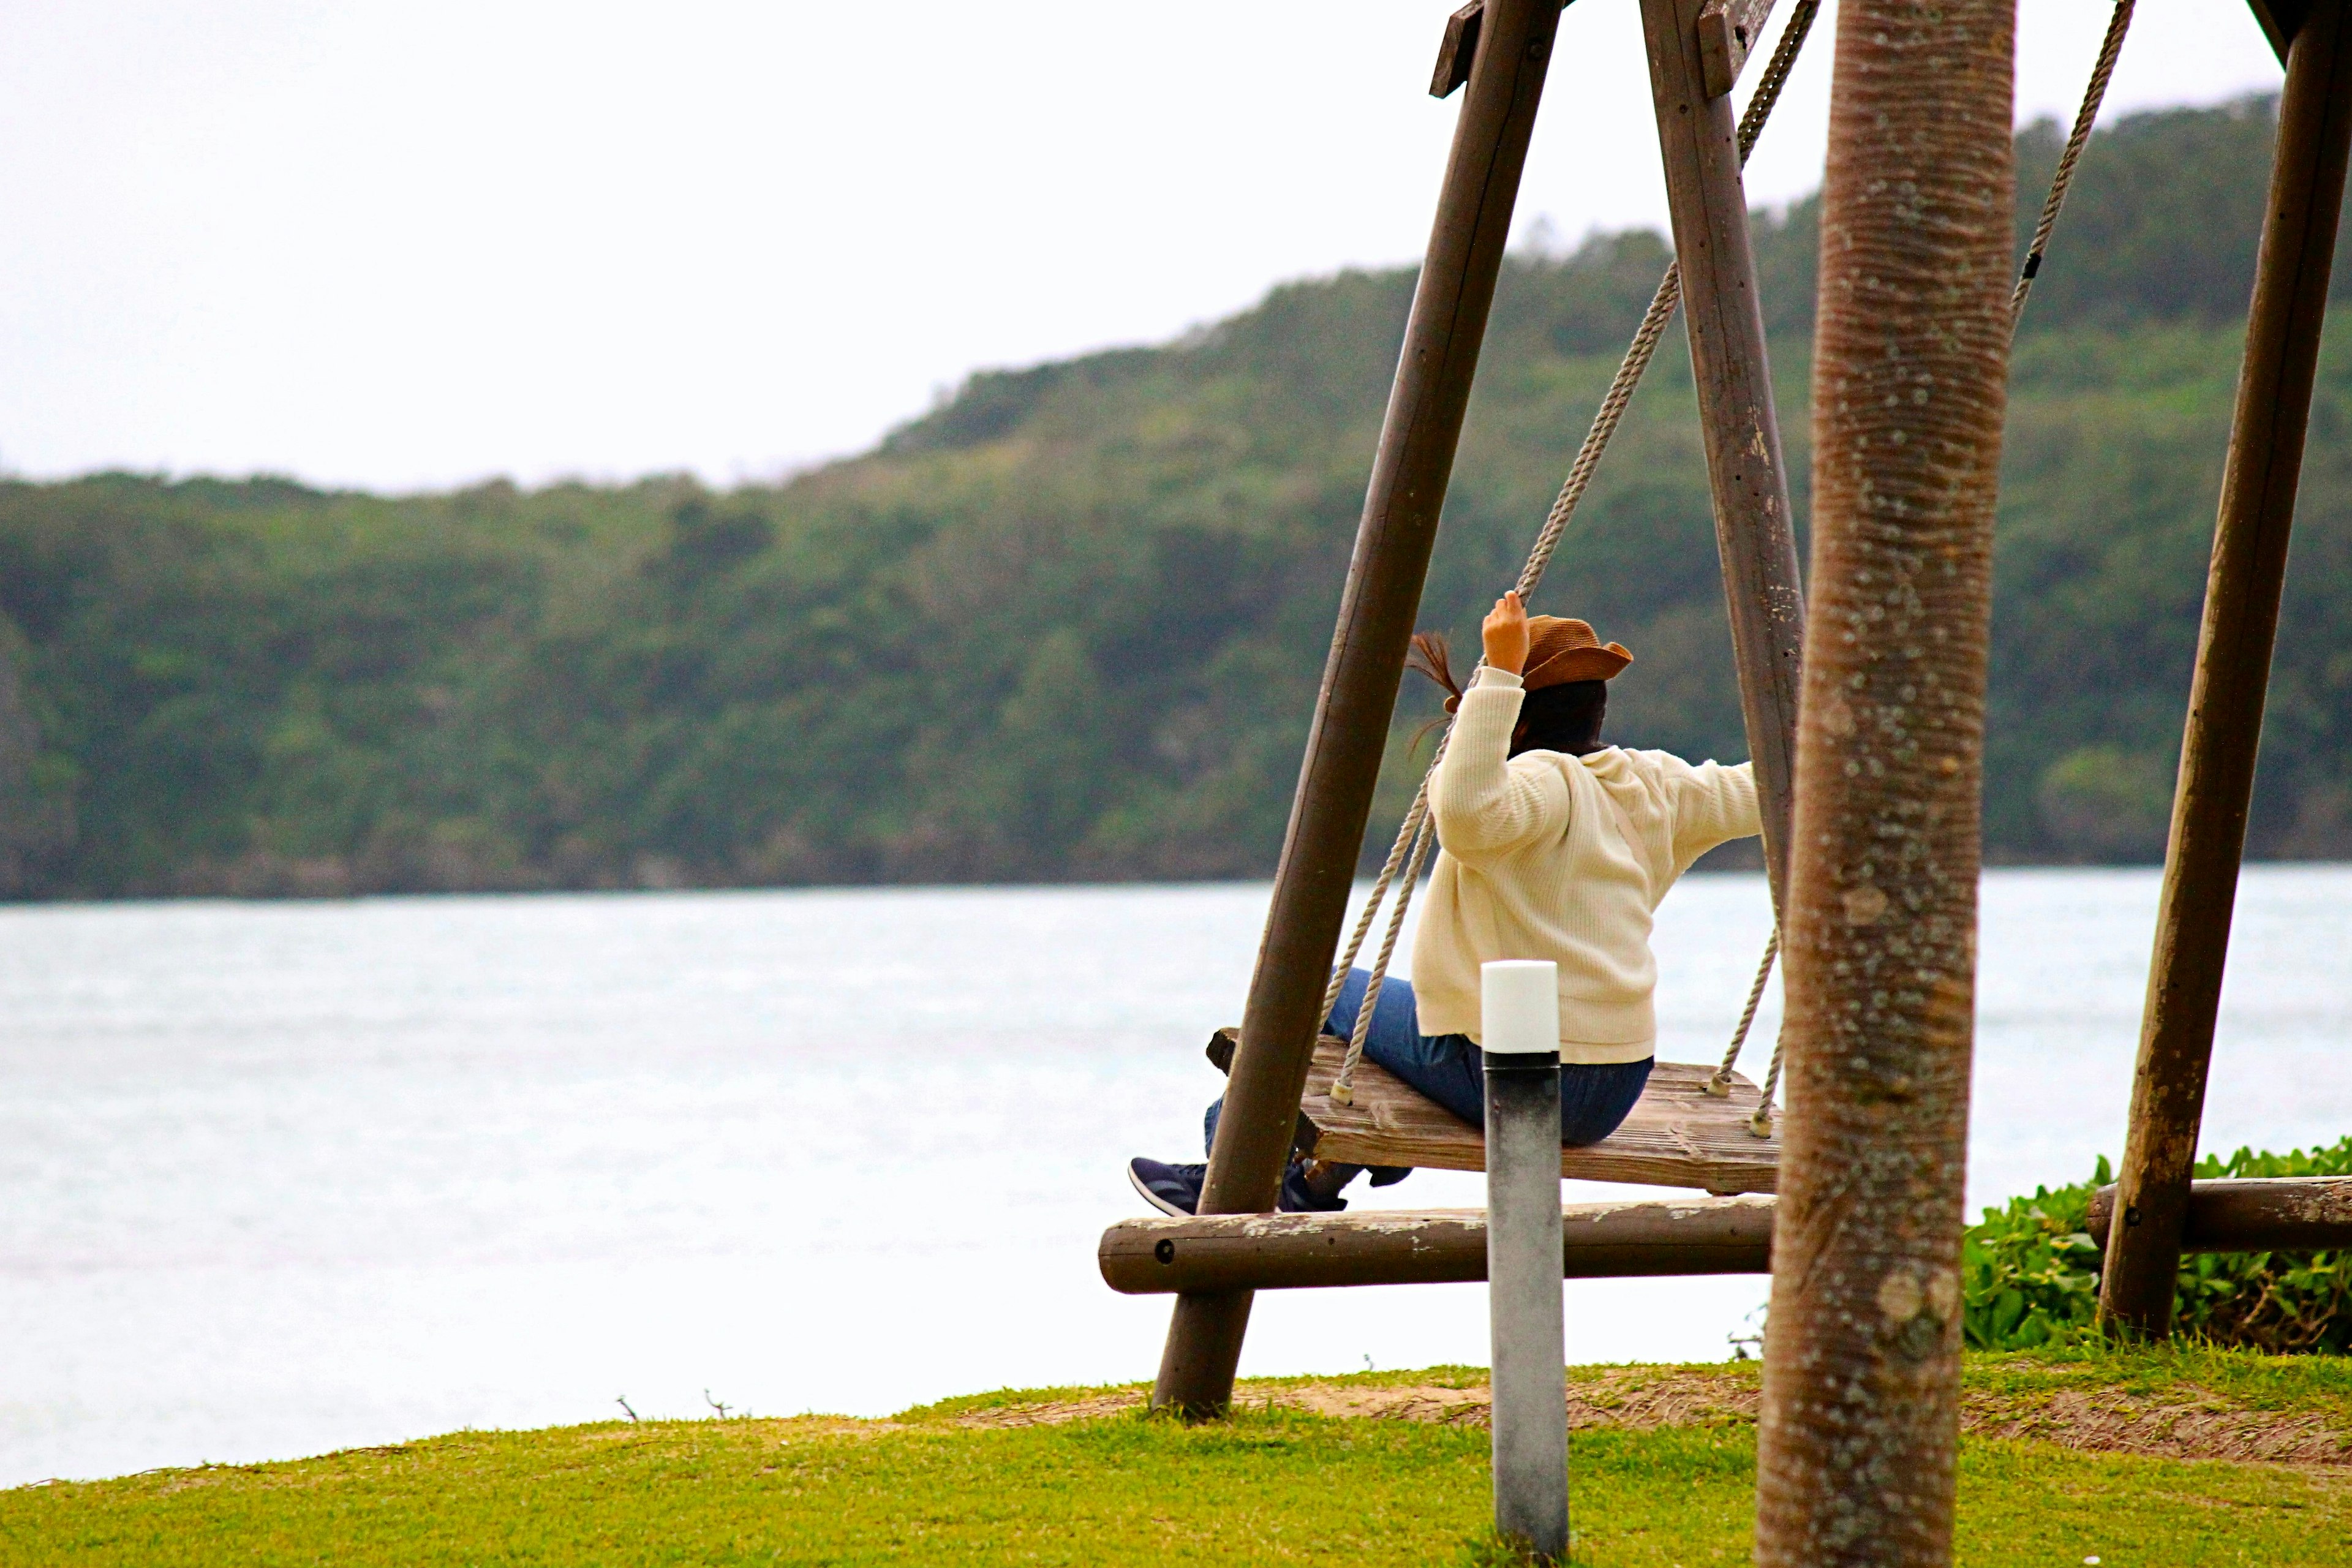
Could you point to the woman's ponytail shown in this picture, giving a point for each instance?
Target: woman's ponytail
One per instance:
(1430, 655)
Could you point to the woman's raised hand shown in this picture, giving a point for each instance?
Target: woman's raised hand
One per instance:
(1504, 632)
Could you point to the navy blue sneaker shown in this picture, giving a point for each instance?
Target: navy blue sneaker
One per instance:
(1176, 1189)
(1300, 1189)
(1171, 1189)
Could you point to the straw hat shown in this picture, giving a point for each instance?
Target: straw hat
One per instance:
(1561, 650)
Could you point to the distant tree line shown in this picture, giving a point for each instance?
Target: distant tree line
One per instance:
(1068, 624)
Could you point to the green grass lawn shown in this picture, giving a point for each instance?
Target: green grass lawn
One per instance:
(1276, 1485)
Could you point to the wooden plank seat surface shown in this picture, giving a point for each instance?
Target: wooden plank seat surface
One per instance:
(1677, 1136)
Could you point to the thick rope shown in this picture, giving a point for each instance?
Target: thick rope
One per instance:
(1604, 426)
(1406, 834)
(1761, 1123)
(2109, 47)
(1409, 848)
(1720, 1085)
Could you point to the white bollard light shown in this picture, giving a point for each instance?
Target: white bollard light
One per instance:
(1519, 1032)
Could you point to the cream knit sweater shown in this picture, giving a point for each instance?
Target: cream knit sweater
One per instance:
(1546, 855)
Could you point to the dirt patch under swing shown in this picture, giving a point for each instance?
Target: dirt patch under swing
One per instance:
(2184, 1424)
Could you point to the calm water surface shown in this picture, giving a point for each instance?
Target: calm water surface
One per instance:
(281, 1178)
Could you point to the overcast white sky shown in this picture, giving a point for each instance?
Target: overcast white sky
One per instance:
(422, 243)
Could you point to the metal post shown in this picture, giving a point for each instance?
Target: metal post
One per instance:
(1858, 1435)
(1520, 1030)
(2233, 664)
(1754, 528)
(1360, 678)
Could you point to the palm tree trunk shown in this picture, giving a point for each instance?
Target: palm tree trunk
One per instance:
(1861, 1428)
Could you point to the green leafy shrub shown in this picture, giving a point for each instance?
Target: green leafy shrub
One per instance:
(2031, 1272)
(2276, 1301)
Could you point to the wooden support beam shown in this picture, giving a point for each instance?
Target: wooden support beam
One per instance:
(2278, 20)
(1350, 731)
(1613, 1241)
(2279, 1214)
(1430, 1246)
(2233, 664)
(1858, 1435)
(1754, 529)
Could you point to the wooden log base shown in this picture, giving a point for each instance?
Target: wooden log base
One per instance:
(2278, 1213)
(1432, 1246)
(1677, 1136)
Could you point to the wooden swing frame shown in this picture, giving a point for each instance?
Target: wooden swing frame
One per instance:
(1500, 50)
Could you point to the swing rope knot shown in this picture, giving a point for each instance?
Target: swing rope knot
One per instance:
(1720, 1085)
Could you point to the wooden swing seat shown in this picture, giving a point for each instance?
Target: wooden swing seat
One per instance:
(1678, 1135)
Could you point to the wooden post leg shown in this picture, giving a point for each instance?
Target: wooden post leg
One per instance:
(1754, 529)
(1367, 660)
(1858, 1433)
(2233, 664)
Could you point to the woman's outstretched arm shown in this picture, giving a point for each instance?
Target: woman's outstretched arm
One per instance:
(1484, 807)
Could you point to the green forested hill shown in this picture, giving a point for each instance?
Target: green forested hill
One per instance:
(1069, 624)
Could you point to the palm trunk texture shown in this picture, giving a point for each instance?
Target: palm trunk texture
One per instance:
(1861, 1426)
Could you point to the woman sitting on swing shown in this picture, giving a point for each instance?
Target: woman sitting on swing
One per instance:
(1550, 846)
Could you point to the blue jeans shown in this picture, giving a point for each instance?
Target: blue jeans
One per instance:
(1595, 1097)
